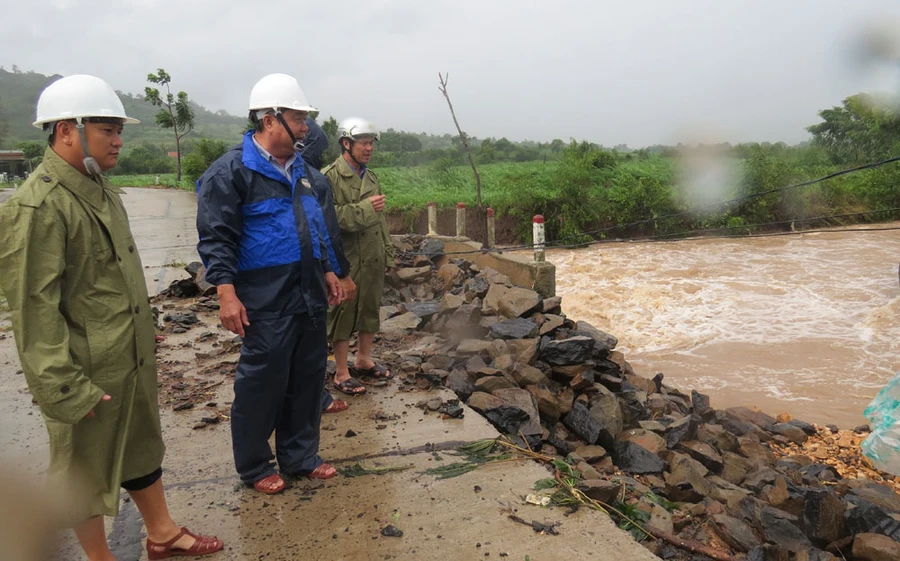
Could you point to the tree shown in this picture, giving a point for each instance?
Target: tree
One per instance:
(4, 124)
(330, 128)
(202, 155)
(33, 151)
(174, 113)
(462, 136)
(31, 148)
(864, 128)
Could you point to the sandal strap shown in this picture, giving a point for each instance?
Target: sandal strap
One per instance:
(202, 544)
(166, 546)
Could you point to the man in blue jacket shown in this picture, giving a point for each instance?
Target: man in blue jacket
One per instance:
(265, 243)
(315, 144)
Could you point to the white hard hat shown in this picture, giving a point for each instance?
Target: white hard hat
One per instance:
(354, 127)
(278, 90)
(79, 96)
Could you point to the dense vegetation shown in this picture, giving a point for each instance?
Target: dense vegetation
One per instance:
(577, 186)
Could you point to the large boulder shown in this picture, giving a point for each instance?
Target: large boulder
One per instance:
(632, 457)
(547, 403)
(517, 301)
(605, 410)
(523, 400)
(686, 480)
(402, 323)
(491, 303)
(875, 547)
(516, 328)
(574, 350)
(604, 341)
(823, 516)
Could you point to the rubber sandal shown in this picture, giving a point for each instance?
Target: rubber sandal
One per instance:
(324, 471)
(350, 386)
(203, 545)
(337, 406)
(377, 371)
(264, 485)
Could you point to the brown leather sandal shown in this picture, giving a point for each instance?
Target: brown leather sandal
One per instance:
(270, 485)
(337, 406)
(203, 545)
(324, 471)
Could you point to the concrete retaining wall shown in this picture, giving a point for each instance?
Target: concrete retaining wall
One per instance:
(518, 266)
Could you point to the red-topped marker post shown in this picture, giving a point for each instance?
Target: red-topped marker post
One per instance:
(539, 238)
(432, 219)
(491, 238)
(460, 220)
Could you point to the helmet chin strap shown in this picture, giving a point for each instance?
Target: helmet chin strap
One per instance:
(350, 151)
(298, 144)
(90, 164)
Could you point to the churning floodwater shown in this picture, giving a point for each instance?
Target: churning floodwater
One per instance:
(806, 324)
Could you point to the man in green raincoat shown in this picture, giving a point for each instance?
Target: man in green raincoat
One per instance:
(359, 203)
(83, 327)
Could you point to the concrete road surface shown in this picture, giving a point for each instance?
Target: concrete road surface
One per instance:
(458, 518)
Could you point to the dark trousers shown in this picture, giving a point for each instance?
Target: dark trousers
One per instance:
(278, 387)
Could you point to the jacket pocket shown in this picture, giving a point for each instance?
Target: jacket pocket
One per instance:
(111, 348)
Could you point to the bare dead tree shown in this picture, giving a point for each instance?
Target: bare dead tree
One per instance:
(462, 136)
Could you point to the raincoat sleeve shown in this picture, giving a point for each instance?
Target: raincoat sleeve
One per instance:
(389, 249)
(33, 265)
(219, 226)
(356, 217)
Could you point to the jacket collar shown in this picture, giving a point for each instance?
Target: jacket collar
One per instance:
(254, 160)
(86, 188)
(346, 170)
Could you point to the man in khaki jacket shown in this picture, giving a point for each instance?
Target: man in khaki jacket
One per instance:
(359, 203)
(83, 327)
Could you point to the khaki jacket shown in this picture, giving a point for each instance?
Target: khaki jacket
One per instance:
(83, 328)
(367, 246)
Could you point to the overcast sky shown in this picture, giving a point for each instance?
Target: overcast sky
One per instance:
(639, 72)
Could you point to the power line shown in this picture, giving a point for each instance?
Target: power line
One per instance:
(552, 244)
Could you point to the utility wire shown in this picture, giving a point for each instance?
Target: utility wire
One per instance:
(555, 244)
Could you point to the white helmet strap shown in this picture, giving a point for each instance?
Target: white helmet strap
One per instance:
(90, 164)
(298, 144)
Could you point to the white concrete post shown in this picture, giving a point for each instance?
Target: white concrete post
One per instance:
(432, 219)
(491, 238)
(538, 230)
(460, 220)
(157, 180)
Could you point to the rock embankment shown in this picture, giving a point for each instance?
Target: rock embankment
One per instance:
(738, 480)
(724, 484)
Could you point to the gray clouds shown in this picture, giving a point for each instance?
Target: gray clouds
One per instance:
(643, 73)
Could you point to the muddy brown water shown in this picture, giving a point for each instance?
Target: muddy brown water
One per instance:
(806, 324)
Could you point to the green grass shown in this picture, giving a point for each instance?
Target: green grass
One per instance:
(502, 185)
(165, 180)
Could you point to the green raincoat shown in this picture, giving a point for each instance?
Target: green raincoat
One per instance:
(83, 328)
(367, 246)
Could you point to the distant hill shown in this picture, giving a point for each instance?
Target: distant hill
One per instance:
(19, 92)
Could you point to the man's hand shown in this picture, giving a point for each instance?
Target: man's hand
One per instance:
(232, 312)
(91, 414)
(377, 202)
(334, 289)
(349, 288)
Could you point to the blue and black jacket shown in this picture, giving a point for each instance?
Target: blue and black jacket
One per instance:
(315, 144)
(262, 233)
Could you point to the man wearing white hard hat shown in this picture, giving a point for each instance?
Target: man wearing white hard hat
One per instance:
(84, 329)
(265, 244)
(360, 204)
